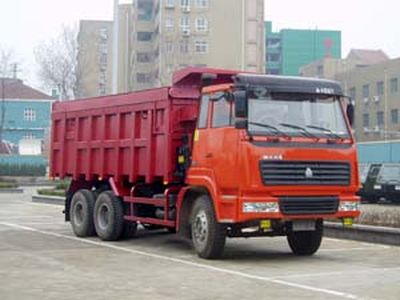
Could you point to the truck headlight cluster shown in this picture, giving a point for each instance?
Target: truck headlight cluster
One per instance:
(260, 207)
(349, 206)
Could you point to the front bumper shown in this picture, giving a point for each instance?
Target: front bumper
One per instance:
(246, 210)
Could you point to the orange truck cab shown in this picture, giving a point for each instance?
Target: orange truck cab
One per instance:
(239, 155)
(277, 156)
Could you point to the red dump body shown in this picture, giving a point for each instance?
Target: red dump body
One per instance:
(131, 136)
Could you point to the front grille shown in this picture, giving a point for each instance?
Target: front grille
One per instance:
(304, 173)
(308, 205)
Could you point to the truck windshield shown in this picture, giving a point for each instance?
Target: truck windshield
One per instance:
(297, 115)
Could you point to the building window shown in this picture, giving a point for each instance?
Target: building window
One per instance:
(184, 46)
(29, 114)
(185, 4)
(365, 91)
(201, 47)
(144, 36)
(169, 23)
(380, 118)
(353, 93)
(394, 85)
(143, 77)
(170, 3)
(102, 90)
(202, 3)
(103, 32)
(145, 10)
(143, 57)
(320, 71)
(185, 23)
(275, 57)
(201, 24)
(365, 120)
(29, 136)
(380, 88)
(169, 47)
(395, 116)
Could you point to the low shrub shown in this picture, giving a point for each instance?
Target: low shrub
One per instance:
(22, 170)
(51, 192)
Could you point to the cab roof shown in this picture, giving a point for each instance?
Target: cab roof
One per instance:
(289, 84)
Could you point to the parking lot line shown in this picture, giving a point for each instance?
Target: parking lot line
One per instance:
(319, 274)
(188, 263)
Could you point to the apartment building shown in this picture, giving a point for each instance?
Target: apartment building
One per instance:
(158, 37)
(376, 92)
(172, 34)
(94, 57)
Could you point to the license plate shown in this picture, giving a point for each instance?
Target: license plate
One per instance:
(303, 225)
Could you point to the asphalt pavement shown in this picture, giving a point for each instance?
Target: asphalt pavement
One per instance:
(40, 258)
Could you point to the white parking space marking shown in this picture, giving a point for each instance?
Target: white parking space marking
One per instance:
(350, 249)
(320, 274)
(188, 263)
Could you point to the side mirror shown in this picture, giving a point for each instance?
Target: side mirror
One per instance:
(240, 98)
(350, 113)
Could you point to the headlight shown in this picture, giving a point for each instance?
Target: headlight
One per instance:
(349, 206)
(260, 207)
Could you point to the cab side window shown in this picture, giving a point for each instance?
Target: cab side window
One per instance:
(204, 111)
(222, 113)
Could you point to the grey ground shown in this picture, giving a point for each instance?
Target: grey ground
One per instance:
(41, 259)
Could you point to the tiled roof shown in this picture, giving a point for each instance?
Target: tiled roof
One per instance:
(16, 89)
(368, 57)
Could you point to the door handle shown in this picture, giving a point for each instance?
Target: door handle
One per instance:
(209, 155)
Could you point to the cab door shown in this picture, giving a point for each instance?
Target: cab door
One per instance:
(222, 151)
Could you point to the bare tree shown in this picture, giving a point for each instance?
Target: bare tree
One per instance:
(58, 63)
(6, 58)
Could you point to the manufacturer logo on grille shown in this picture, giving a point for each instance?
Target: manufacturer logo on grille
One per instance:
(309, 173)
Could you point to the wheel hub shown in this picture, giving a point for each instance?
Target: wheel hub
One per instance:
(104, 217)
(78, 214)
(200, 228)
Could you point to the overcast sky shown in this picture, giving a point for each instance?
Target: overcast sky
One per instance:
(364, 23)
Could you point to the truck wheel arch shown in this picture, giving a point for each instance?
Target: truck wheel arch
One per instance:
(186, 199)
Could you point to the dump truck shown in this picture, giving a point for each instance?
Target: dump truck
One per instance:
(218, 154)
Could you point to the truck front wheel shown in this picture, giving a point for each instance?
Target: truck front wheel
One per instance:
(306, 242)
(109, 216)
(81, 213)
(208, 235)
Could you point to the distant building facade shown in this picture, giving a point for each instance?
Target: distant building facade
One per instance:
(95, 58)
(376, 92)
(27, 115)
(290, 49)
(329, 68)
(158, 37)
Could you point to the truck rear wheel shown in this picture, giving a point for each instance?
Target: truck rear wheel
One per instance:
(109, 216)
(306, 242)
(81, 213)
(208, 235)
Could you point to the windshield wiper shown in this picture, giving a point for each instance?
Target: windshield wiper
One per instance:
(304, 131)
(276, 130)
(326, 130)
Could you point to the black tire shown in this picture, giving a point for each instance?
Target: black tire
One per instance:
(81, 213)
(129, 231)
(306, 243)
(109, 216)
(208, 236)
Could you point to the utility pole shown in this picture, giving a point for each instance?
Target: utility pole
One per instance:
(3, 108)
